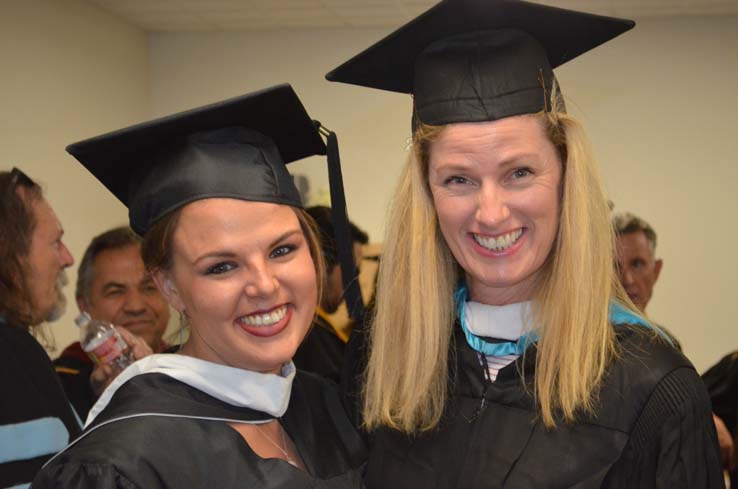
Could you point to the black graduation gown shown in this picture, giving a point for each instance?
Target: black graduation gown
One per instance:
(653, 429)
(168, 451)
(32, 406)
(74, 368)
(322, 351)
(722, 383)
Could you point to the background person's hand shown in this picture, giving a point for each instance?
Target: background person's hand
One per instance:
(725, 440)
(104, 374)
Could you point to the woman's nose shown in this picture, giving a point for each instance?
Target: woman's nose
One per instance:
(492, 208)
(261, 282)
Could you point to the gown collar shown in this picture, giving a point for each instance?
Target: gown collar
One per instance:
(264, 392)
(508, 322)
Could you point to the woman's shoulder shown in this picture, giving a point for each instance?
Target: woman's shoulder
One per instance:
(648, 368)
(647, 355)
(146, 451)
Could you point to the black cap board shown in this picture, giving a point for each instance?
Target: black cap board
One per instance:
(236, 148)
(478, 60)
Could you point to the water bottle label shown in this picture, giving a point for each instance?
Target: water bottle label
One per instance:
(109, 350)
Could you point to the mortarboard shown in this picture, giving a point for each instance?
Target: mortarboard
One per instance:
(478, 60)
(237, 148)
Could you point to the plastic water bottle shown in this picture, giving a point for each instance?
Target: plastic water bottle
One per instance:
(103, 343)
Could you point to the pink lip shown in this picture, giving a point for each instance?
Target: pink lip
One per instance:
(498, 254)
(267, 331)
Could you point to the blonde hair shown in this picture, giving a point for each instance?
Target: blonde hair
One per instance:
(406, 379)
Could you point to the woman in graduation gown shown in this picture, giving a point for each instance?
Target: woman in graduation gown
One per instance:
(232, 250)
(503, 351)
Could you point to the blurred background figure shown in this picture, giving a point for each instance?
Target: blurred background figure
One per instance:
(638, 267)
(722, 383)
(112, 286)
(36, 419)
(636, 263)
(323, 349)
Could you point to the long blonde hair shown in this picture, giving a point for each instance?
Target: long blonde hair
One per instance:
(406, 379)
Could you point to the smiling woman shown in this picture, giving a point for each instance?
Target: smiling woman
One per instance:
(243, 274)
(503, 351)
(230, 248)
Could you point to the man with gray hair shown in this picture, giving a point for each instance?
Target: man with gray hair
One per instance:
(112, 286)
(636, 260)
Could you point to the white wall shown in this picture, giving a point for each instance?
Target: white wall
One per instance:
(660, 104)
(69, 71)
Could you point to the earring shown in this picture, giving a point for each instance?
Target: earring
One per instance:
(183, 323)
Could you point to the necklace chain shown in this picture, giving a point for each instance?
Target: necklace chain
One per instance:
(282, 448)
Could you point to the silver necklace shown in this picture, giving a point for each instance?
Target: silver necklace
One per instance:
(283, 447)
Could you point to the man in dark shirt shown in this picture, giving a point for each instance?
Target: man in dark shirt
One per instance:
(36, 419)
(112, 286)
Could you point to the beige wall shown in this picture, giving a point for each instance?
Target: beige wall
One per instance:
(660, 104)
(69, 71)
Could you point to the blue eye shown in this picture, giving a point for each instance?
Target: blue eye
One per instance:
(282, 250)
(455, 179)
(521, 173)
(220, 268)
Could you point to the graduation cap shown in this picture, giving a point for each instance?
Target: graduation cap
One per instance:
(237, 148)
(479, 60)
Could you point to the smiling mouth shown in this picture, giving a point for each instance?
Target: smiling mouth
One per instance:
(499, 243)
(264, 319)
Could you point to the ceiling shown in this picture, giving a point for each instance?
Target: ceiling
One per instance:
(224, 15)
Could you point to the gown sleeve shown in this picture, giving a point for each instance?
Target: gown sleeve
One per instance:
(674, 444)
(82, 476)
(722, 384)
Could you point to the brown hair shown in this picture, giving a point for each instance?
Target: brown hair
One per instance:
(17, 223)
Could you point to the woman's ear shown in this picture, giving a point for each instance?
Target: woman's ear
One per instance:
(167, 288)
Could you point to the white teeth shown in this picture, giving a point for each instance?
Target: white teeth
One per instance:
(499, 243)
(265, 319)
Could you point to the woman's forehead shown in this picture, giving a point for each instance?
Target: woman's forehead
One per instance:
(512, 134)
(210, 223)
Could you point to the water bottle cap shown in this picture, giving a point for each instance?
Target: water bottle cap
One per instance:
(82, 319)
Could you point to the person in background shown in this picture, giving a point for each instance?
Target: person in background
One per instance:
(36, 419)
(503, 351)
(638, 270)
(722, 384)
(324, 347)
(637, 265)
(112, 286)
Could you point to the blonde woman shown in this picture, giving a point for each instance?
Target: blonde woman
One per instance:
(503, 351)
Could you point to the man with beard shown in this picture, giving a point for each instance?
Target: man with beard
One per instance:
(36, 419)
(112, 286)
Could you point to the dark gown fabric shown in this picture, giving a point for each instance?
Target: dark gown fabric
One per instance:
(322, 351)
(722, 383)
(169, 451)
(653, 429)
(74, 368)
(36, 419)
